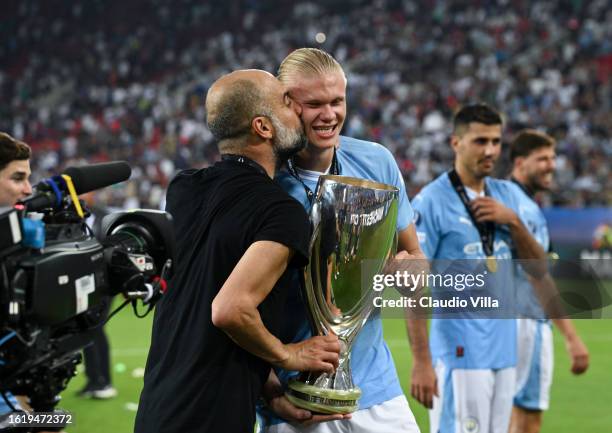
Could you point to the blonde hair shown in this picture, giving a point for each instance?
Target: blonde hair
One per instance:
(308, 62)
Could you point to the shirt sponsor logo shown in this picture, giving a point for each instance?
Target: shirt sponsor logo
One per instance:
(475, 248)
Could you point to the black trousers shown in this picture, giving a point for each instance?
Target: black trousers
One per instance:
(97, 358)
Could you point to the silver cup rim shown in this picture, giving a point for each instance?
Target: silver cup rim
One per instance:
(354, 181)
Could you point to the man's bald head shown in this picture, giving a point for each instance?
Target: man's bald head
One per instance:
(234, 100)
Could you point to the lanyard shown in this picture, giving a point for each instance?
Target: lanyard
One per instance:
(334, 169)
(244, 160)
(485, 230)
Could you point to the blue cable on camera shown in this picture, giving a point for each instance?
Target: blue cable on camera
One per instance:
(58, 193)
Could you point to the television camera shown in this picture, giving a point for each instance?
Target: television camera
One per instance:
(57, 278)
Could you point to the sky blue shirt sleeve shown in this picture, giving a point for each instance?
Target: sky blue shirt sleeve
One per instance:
(513, 196)
(405, 214)
(426, 227)
(530, 215)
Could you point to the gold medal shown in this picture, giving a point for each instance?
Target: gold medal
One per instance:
(491, 263)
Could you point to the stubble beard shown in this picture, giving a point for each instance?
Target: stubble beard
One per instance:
(287, 142)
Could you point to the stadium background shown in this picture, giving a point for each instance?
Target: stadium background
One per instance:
(92, 80)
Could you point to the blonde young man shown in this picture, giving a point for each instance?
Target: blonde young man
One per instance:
(317, 83)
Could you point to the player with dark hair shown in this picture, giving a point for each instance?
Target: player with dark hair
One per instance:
(14, 186)
(14, 170)
(214, 332)
(533, 164)
(466, 214)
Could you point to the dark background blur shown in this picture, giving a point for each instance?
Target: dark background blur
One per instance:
(91, 80)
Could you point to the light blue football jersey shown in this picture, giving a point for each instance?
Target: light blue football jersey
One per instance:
(446, 232)
(371, 362)
(4, 408)
(534, 219)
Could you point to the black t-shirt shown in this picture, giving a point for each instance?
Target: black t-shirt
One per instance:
(197, 379)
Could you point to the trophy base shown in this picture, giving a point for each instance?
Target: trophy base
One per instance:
(320, 400)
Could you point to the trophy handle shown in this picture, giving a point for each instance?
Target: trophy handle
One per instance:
(315, 315)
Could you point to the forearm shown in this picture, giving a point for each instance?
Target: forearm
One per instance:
(566, 327)
(576, 349)
(528, 249)
(245, 327)
(234, 309)
(416, 328)
(548, 295)
(416, 321)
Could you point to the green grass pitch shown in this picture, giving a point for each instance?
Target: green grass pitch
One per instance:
(578, 404)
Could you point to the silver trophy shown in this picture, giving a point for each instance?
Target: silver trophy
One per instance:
(353, 220)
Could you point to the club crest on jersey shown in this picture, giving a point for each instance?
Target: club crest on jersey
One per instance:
(470, 425)
(465, 220)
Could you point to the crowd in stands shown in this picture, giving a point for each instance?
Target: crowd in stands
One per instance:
(94, 80)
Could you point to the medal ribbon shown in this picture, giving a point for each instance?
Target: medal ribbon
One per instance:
(334, 170)
(485, 230)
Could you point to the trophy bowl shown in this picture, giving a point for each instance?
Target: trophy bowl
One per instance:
(353, 220)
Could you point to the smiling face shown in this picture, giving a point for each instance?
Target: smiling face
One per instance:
(477, 148)
(322, 98)
(538, 168)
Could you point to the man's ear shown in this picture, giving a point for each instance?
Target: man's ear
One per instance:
(518, 162)
(263, 127)
(454, 142)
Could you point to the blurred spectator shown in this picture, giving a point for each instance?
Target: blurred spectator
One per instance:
(115, 80)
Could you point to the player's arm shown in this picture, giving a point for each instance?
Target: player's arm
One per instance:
(423, 380)
(234, 310)
(574, 345)
(487, 209)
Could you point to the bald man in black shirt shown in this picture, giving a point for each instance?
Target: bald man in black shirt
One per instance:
(213, 341)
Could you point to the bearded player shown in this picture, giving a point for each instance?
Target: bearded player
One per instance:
(533, 165)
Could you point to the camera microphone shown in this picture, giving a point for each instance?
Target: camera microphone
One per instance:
(50, 192)
(95, 176)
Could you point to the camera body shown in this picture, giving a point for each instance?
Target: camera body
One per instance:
(56, 281)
